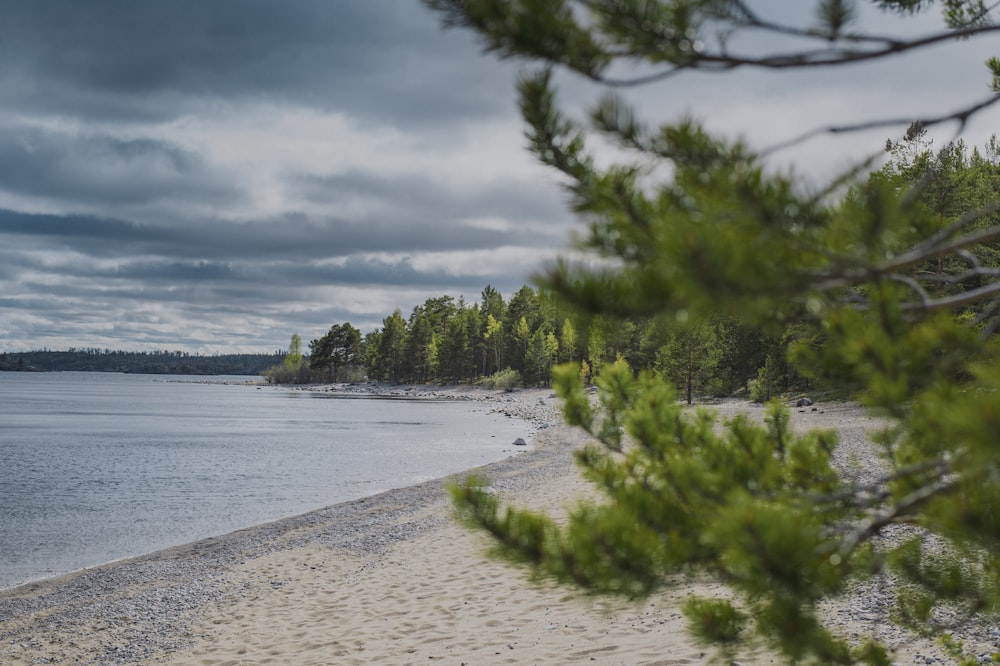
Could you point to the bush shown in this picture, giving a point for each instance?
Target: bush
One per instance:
(716, 388)
(282, 374)
(507, 380)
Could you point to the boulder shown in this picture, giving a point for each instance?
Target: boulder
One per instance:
(520, 442)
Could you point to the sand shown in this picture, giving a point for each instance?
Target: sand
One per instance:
(390, 579)
(432, 597)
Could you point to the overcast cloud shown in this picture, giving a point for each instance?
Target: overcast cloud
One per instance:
(216, 175)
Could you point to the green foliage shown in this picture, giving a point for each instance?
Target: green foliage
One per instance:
(567, 341)
(689, 357)
(389, 356)
(994, 66)
(293, 359)
(956, 651)
(884, 285)
(764, 387)
(505, 380)
(714, 620)
(445, 340)
(834, 16)
(542, 353)
(292, 369)
(282, 374)
(687, 497)
(339, 350)
(493, 335)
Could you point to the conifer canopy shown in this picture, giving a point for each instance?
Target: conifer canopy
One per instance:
(888, 277)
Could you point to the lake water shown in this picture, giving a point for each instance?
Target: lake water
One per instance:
(96, 467)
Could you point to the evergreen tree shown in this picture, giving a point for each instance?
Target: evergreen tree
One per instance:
(759, 507)
(949, 183)
(339, 348)
(543, 351)
(428, 324)
(492, 311)
(372, 345)
(391, 348)
(320, 355)
(689, 358)
(417, 358)
(654, 336)
(457, 348)
(522, 318)
(742, 350)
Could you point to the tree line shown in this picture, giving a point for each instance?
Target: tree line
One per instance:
(138, 362)
(521, 338)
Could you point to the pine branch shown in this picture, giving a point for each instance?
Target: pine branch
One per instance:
(925, 298)
(894, 514)
(723, 62)
(958, 300)
(872, 494)
(851, 272)
(936, 245)
(962, 116)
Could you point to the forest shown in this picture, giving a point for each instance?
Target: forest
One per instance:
(518, 340)
(150, 363)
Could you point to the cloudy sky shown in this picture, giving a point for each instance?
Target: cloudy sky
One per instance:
(216, 175)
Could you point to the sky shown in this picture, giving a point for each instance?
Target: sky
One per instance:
(213, 176)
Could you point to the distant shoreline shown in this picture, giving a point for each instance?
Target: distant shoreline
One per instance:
(153, 363)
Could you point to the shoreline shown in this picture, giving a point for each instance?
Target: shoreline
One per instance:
(140, 608)
(391, 579)
(323, 465)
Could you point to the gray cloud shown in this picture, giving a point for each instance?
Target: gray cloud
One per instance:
(213, 176)
(105, 169)
(153, 61)
(159, 278)
(432, 202)
(81, 232)
(294, 236)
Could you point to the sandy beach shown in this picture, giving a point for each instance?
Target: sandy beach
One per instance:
(392, 579)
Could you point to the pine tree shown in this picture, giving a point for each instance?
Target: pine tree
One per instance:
(715, 233)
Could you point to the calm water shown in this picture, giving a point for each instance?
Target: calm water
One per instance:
(96, 467)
